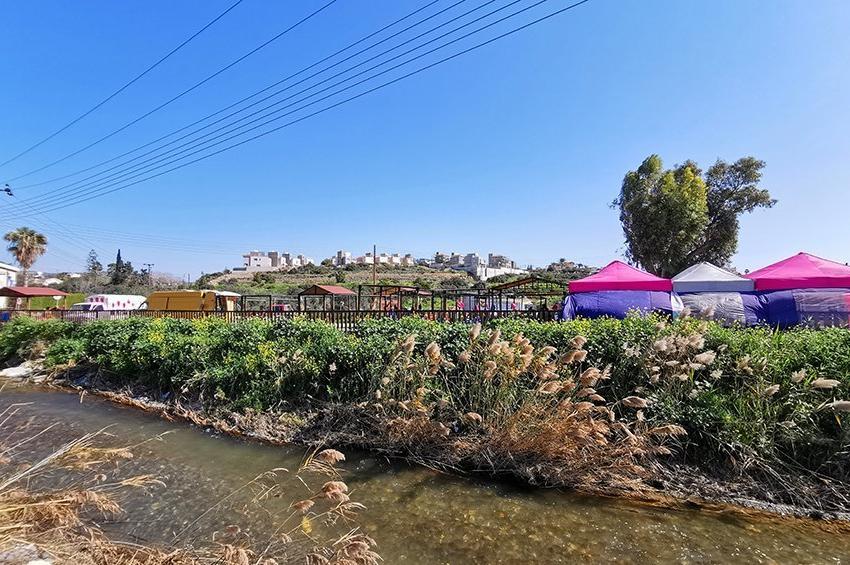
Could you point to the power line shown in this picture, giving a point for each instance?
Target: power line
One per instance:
(328, 79)
(59, 252)
(121, 238)
(62, 234)
(103, 191)
(180, 95)
(267, 88)
(106, 183)
(54, 206)
(124, 87)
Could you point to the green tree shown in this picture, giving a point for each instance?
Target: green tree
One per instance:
(26, 245)
(733, 189)
(93, 265)
(674, 218)
(121, 272)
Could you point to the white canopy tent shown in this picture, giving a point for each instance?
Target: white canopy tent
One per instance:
(705, 277)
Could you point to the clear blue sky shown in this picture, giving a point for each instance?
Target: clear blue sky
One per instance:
(517, 148)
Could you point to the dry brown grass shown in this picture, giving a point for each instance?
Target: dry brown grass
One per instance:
(59, 524)
(506, 406)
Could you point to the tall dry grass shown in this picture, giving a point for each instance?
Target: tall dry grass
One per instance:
(509, 406)
(58, 524)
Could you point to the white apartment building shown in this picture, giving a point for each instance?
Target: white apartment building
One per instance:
(342, 258)
(392, 260)
(475, 265)
(265, 261)
(8, 277)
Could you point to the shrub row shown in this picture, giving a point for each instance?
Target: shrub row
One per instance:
(739, 392)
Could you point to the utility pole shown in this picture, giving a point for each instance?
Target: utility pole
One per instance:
(149, 271)
(374, 264)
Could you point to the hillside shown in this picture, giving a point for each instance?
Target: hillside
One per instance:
(293, 281)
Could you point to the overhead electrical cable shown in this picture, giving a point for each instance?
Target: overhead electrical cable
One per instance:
(60, 230)
(180, 95)
(124, 87)
(157, 242)
(111, 180)
(267, 88)
(56, 206)
(243, 118)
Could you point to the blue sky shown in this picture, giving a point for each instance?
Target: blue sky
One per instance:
(516, 148)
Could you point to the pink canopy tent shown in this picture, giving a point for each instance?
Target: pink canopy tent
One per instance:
(802, 271)
(616, 275)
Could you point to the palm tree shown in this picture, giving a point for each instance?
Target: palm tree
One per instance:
(26, 245)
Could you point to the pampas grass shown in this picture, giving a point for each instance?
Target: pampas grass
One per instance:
(57, 523)
(510, 405)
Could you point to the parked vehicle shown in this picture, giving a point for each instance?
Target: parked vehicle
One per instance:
(101, 302)
(193, 300)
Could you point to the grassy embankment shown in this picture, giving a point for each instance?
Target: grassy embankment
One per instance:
(575, 404)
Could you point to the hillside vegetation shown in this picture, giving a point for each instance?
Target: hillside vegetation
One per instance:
(293, 281)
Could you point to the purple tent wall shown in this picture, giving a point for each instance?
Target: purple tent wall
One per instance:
(778, 308)
(616, 303)
(754, 310)
(813, 307)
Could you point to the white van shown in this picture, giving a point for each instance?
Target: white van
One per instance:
(101, 302)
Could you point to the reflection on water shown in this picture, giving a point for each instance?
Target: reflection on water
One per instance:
(416, 515)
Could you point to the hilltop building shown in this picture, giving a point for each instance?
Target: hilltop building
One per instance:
(475, 265)
(265, 261)
(342, 258)
(391, 260)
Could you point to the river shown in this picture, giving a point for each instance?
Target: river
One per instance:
(416, 515)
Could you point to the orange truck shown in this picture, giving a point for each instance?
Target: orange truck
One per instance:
(193, 300)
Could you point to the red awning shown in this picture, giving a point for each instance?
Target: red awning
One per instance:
(326, 289)
(616, 275)
(801, 271)
(29, 291)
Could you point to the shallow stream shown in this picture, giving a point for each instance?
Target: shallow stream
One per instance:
(416, 515)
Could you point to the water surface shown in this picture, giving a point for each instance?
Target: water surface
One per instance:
(416, 515)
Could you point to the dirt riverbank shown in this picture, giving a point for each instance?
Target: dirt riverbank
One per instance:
(663, 482)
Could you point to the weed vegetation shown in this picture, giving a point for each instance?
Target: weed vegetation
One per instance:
(40, 524)
(582, 399)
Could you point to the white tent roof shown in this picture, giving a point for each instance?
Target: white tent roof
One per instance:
(705, 277)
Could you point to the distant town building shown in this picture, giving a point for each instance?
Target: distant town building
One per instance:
(475, 265)
(257, 261)
(499, 262)
(455, 260)
(264, 261)
(390, 260)
(342, 258)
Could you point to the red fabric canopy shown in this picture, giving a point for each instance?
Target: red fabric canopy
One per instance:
(802, 271)
(30, 291)
(325, 289)
(616, 275)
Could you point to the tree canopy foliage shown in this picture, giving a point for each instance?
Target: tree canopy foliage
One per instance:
(677, 217)
(26, 245)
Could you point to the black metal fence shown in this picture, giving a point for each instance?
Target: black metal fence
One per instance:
(346, 320)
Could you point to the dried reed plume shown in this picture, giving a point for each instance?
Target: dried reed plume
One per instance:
(505, 404)
(56, 525)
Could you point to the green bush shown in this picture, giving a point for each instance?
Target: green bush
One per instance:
(19, 335)
(755, 399)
